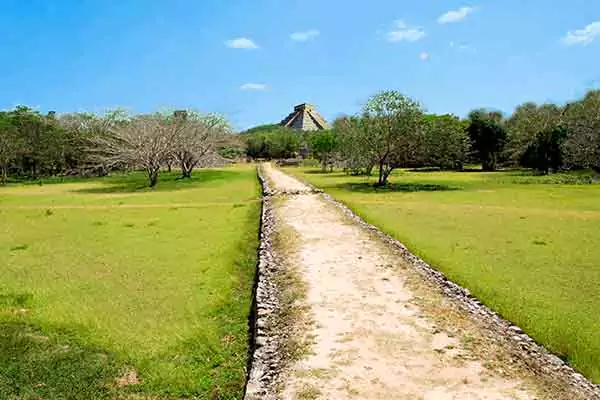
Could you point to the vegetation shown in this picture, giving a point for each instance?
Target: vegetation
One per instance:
(323, 146)
(393, 131)
(488, 137)
(110, 289)
(34, 145)
(272, 141)
(525, 245)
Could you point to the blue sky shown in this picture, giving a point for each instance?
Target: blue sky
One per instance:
(254, 60)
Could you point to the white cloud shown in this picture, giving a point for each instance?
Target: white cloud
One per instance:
(304, 36)
(583, 36)
(455, 15)
(461, 46)
(242, 43)
(424, 56)
(257, 87)
(404, 32)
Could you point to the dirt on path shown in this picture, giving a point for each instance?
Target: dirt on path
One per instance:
(376, 331)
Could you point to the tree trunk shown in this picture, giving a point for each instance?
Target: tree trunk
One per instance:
(3, 174)
(381, 181)
(152, 176)
(169, 166)
(489, 164)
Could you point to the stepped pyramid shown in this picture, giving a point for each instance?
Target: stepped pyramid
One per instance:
(306, 118)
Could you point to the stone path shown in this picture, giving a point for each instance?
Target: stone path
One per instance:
(373, 336)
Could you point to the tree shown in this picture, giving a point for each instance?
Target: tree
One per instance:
(582, 120)
(349, 131)
(282, 143)
(446, 143)
(145, 141)
(197, 137)
(488, 137)
(323, 145)
(9, 145)
(527, 124)
(393, 135)
(545, 153)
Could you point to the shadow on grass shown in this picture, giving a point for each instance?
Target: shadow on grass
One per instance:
(39, 363)
(138, 181)
(366, 187)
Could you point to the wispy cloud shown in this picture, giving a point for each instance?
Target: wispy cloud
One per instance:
(242, 43)
(424, 56)
(462, 46)
(256, 87)
(455, 15)
(403, 32)
(304, 36)
(583, 36)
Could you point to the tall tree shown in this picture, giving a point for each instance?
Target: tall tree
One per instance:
(145, 141)
(197, 137)
(283, 143)
(9, 145)
(488, 137)
(446, 143)
(394, 134)
(526, 124)
(323, 145)
(583, 123)
(545, 153)
(349, 132)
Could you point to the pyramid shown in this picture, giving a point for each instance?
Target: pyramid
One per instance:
(306, 118)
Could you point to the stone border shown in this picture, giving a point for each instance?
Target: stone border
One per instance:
(265, 358)
(533, 354)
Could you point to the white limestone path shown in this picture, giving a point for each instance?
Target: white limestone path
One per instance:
(371, 338)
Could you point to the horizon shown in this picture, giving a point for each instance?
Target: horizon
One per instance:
(254, 62)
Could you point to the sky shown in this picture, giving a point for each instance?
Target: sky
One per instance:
(253, 60)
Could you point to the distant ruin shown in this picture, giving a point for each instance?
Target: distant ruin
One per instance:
(305, 118)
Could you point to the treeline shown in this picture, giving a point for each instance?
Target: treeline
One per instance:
(34, 145)
(393, 131)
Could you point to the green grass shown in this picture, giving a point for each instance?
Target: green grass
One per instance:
(103, 276)
(527, 246)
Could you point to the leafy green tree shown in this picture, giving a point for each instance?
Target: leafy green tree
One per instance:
(323, 145)
(393, 134)
(256, 145)
(488, 137)
(582, 119)
(546, 152)
(283, 143)
(349, 132)
(9, 145)
(446, 143)
(525, 126)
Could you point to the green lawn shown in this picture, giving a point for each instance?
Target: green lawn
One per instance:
(526, 246)
(104, 278)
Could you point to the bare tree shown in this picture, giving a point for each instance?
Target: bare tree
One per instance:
(145, 141)
(198, 137)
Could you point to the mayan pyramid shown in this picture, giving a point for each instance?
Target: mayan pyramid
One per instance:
(306, 118)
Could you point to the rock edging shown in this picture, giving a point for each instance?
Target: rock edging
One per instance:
(533, 354)
(265, 356)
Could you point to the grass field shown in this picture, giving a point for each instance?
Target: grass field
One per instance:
(527, 246)
(105, 283)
